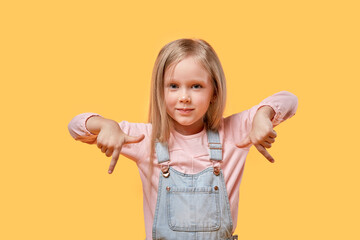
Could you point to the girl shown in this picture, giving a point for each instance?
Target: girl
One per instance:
(190, 158)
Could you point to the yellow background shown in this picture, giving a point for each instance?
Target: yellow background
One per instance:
(62, 58)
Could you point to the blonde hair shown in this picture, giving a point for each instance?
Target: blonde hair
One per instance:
(171, 54)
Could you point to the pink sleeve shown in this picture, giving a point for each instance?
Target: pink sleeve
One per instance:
(239, 125)
(77, 125)
(135, 151)
(284, 104)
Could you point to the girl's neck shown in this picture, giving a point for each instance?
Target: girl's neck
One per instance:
(189, 130)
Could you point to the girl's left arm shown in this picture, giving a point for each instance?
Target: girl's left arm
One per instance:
(262, 118)
(283, 103)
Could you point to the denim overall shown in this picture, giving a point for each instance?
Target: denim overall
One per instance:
(192, 206)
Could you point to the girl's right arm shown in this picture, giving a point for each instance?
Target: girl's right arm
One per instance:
(108, 136)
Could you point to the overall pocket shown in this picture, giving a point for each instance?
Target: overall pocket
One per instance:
(193, 209)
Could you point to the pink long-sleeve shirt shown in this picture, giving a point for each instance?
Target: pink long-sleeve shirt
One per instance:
(190, 154)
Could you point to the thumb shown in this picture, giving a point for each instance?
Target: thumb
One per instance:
(131, 139)
(244, 143)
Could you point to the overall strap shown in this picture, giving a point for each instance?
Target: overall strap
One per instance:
(214, 145)
(162, 151)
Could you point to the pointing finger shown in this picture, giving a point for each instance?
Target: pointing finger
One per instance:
(114, 160)
(264, 152)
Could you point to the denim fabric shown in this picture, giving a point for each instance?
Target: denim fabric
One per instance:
(192, 206)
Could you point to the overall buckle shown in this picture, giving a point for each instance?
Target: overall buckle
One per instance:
(165, 170)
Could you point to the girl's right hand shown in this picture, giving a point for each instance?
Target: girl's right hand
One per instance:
(111, 138)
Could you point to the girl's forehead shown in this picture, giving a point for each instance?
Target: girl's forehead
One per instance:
(187, 68)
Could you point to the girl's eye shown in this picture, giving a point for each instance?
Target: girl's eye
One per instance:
(197, 86)
(173, 85)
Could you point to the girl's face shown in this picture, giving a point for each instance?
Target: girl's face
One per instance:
(188, 92)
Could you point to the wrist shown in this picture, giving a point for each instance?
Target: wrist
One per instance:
(95, 124)
(266, 111)
(107, 123)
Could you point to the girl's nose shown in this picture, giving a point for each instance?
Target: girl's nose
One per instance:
(184, 98)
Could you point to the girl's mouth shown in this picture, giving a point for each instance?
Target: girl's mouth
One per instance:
(184, 111)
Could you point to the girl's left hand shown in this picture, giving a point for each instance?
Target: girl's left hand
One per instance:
(262, 134)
